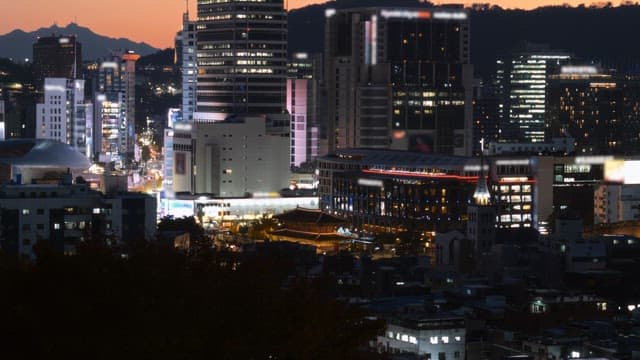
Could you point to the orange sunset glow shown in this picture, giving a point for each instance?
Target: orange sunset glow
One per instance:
(152, 21)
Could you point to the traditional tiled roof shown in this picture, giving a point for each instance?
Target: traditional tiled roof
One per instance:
(302, 215)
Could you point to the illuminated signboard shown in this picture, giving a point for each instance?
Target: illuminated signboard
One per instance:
(179, 208)
(405, 14)
(370, 182)
(622, 171)
(572, 69)
(442, 15)
(593, 160)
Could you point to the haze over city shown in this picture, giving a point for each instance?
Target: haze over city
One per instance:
(150, 21)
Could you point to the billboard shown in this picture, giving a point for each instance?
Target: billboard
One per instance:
(622, 171)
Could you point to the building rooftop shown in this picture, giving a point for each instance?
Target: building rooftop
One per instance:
(401, 158)
(302, 215)
(41, 153)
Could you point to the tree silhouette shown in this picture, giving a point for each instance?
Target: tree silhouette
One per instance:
(163, 304)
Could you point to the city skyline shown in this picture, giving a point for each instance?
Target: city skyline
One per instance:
(157, 29)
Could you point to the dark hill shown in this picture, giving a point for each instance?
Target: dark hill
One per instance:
(606, 34)
(18, 44)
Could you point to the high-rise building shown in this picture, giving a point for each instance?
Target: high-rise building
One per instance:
(186, 59)
(521, 83)
(586, 104)
(239, 140)
(599, 110)
(107, 135)
(303, 92)
(399, 78)
(63, 115)
(56, 57)
(116, 81)
(486, 112)
(242, 58)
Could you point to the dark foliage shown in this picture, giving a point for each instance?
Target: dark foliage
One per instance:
(159, 304)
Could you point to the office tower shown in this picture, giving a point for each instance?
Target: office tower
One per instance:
(303, 91)
(239, 140)
(63, 115)
(116, 82)
(107, 135)
(521, 83)
(186, 59)
(2, 120)
(399, 78)
(56, 57)
(486, 113)
(588, 105)
(242, 58)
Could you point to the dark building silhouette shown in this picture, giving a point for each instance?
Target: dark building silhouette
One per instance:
(486, 112)
(399, 78)
(56, 56)
(598, 110)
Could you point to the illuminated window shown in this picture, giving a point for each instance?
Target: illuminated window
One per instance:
(433, 339)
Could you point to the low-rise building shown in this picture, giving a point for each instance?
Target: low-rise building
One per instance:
(435, 336)
(616, 203)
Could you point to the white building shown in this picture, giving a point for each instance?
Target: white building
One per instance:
(186, 58)
(616, 203)
(238, 156)
(435, 336)
(63, 115)
(182, 165)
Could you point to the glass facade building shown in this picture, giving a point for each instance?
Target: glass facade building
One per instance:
(241, 58)
(521, 84)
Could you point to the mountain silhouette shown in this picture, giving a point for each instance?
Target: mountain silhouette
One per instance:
(604, 33)
(18, 44)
